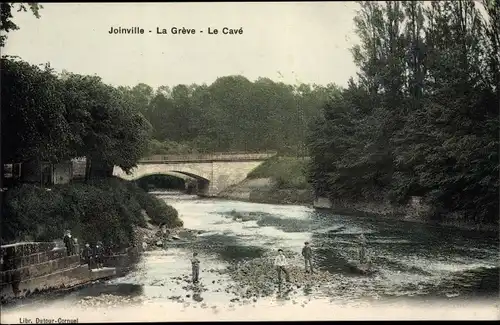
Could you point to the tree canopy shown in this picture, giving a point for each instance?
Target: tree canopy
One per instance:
(422, 117)
(50, 117)
(231, 114)
(7, 24)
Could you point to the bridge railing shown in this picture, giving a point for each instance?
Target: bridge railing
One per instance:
(221, 156)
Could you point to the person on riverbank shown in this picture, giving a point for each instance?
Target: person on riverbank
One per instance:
(280, 262)
(99, 255)
(87, 255)
(68, 242)
(195, 267)
(307, 254)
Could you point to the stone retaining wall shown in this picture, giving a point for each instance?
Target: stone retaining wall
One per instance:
(37, 258)
(40, 269)
(414, 210)
(67, 278)
(37, 270)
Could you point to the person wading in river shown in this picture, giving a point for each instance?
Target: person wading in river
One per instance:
(362, 249)
(307, 253)
(281, 263)
(195, 267)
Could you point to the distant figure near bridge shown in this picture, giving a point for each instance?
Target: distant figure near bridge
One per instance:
(213, 173)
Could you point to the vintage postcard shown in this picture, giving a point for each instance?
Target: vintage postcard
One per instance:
(249, 161)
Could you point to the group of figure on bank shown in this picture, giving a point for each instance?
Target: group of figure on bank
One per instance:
(92, 255)
(281, 263)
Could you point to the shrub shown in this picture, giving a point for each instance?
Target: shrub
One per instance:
(104, 210)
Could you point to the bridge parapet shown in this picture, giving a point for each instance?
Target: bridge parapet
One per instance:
(222, 156)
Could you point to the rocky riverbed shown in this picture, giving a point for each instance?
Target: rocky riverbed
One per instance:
(163, 277)
(420, 272)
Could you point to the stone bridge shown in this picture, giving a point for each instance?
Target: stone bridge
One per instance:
(212, 172)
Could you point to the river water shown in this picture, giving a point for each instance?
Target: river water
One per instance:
(427, 272)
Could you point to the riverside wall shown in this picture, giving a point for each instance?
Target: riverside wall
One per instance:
(28, 268)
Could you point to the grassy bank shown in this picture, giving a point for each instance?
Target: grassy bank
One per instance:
(279, 180)
(105, 210)
(286, 172)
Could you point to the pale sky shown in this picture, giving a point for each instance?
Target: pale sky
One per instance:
(305, 41)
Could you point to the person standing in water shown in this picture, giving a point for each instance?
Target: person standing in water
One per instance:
(281, 263)
(362, 249)
(307, 253)
(195, 267)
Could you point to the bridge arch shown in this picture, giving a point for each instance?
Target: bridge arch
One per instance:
(191, 181)
(187, 173)
(213, 172)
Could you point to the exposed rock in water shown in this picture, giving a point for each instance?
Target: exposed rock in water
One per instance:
(258, 278)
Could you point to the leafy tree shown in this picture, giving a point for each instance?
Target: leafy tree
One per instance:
(33, 114)
(108, 128)
(7, 24)
(422, 118)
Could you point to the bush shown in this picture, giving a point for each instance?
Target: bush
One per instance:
(105, 210)
(159, 212)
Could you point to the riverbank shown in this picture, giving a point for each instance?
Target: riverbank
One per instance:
(104, 210)
(264, 190)
(114, 211)
(441, 271)
(233, 291)
(281, 180)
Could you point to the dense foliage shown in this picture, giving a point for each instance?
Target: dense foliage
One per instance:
(104, 210)
(422, 117)
(53, 117)
(231, 114)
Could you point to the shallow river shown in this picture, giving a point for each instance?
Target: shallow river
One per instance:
(420, 271)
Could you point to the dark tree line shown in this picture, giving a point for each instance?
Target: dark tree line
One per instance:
(422, 117)
(231, 114)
